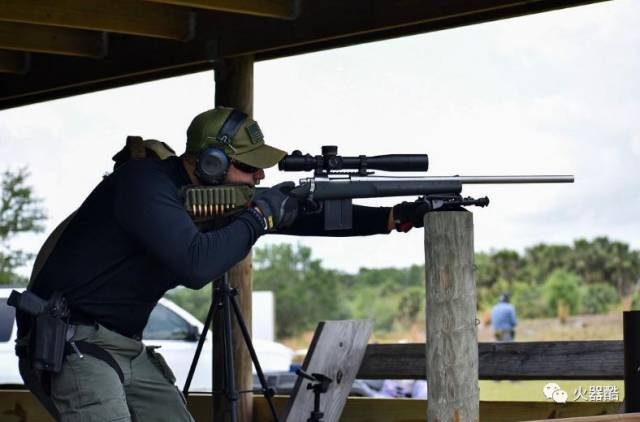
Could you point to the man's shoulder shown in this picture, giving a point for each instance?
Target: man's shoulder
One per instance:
(150, 169)
(501, 306)
(145, 178)
(147, 165)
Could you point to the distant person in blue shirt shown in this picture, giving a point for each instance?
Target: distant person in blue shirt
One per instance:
(503, 318)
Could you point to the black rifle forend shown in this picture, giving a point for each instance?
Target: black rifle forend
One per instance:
(330, 161)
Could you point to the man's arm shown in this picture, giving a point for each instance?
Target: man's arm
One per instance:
(366, 221)
(148, 208)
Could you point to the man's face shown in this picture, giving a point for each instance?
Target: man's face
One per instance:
(235, 175)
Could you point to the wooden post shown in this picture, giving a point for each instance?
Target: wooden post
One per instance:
(234, 88)
(630, 326)
(452, 345)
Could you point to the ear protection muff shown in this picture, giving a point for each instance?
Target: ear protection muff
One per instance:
(213, 163)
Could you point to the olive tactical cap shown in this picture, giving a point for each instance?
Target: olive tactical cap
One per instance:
(247, 146)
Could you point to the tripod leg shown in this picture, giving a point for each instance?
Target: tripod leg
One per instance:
(254, 356)
(230, 381)
(201, 340)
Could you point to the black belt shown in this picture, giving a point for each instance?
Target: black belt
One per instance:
(79, 320)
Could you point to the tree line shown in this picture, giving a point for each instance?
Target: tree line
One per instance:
(586, 277)
(20, 212)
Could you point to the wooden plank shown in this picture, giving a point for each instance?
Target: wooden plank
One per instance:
(358, 409)
(234, 88)
(14, 62)
(451, 332)
(47, 39)
(370, 20)
(596, 360)
(283, 9)
(21, 405)
(121, 16)
(552, 360)
(335, 352)
(631, 341)
(605, 418)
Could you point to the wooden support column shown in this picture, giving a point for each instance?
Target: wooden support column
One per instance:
(234, 88)
(452, 345)
(631, 325)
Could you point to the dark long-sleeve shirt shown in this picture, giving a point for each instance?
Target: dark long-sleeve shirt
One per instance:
(132, 240)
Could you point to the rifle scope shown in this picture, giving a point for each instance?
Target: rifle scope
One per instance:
(331, 161)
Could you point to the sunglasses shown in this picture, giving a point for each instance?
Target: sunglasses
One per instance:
(246, 168)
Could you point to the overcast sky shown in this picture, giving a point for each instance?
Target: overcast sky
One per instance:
(554, 93)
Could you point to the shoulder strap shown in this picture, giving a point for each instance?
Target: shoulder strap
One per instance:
(97, 352)
(47, 248)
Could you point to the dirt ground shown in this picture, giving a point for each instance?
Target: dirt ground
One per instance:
(579, 327)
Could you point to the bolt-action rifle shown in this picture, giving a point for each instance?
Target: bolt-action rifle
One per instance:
(331, 189)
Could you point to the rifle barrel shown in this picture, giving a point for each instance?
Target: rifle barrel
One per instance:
(468, 179)
(345, 186)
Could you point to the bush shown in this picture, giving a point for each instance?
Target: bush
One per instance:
(635, 301)
(488, 296)
(372, 304)
(410, 305)
(529, 301)
(597, 298)
(562, 289)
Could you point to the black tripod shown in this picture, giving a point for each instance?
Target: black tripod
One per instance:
(224, 300)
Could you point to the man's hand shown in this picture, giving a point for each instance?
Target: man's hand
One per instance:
(278, 209)
(406, 215)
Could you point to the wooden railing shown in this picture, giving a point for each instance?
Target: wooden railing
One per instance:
(564, 360)
(506, 361)
(22, 406)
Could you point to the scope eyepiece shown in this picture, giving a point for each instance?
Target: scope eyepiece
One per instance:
(331, 161)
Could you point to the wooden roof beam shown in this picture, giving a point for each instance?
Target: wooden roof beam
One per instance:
(229, 35)
(283, 9)
(357, 21)
(47, 39)
(121, 16)
(14, 62)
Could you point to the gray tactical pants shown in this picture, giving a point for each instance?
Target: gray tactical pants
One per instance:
(89, 390)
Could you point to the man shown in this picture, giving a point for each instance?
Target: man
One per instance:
(131, 241)
(503, 318)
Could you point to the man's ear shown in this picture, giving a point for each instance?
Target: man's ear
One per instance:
(189, 162)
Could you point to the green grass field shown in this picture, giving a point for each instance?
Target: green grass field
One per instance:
(590, 390)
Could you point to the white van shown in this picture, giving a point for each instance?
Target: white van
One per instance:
(170, 327)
